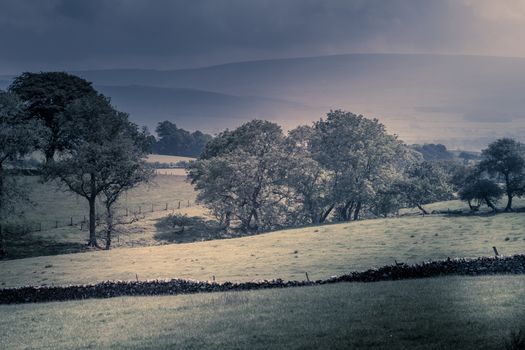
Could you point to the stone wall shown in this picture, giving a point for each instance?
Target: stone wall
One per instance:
(479, 266)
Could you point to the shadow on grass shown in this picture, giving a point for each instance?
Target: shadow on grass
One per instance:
(481, 212)
(27, 246)
(195, 229)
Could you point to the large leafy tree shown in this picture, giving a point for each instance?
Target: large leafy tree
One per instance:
(505, 158)
(424, 183)
(477, 190)
(236, 176)
(104, 158)
(46, 96)
(360, 156)
(18, 137)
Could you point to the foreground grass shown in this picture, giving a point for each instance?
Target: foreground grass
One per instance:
(321, 251)
(443, 313)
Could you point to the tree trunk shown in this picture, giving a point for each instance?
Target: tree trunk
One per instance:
(346, 211)
(509, 202)
(509, 193)
(109, 228)
(326, 213)
(227, 221)
(472, 207)
(256, 220)
(491, 205)
(422, 209)
(92, 223)
(357, 210)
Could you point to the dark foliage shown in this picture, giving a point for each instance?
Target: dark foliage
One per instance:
(46, 96)
(179, 142)
(433, 152)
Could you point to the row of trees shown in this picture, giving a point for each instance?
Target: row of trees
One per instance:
(176, 141)
(89, 146)
(342, 167)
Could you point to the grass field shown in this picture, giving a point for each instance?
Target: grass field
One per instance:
(159, 158)
(443, 313)
(321, 251)
(52, 203)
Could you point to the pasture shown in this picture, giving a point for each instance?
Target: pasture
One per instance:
(322, 251)
(48, 218)
(443, 313)
(160, 158)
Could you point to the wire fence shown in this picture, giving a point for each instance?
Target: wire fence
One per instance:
(83, 222)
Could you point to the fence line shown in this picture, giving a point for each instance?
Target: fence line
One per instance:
(120, 212)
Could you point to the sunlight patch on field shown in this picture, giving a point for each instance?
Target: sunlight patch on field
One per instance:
(322, 251)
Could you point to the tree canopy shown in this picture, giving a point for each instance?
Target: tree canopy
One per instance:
(505, 158)
(46, 95)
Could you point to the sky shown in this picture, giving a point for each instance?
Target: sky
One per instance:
(461, 104)
(166, 34)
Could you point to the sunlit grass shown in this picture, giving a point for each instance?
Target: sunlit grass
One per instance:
(322, 251)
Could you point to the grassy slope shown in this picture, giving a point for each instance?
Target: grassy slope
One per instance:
(451, 313)
(321, 251)
(52, 203)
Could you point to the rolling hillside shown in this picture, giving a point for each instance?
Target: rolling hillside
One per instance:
(322, 251)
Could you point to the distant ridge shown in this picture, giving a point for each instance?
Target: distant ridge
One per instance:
(462, 101)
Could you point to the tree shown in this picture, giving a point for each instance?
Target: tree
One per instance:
(433, 152)
(506, 159)
(18, 137)
(46, 96)
(104, 158)
(177, 141)
(359, 155)
(424, 183)
(308, 180)
(131, 171)
(480, 190)
(235, 176)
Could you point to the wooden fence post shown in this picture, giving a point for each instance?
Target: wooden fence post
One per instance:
(495, 251)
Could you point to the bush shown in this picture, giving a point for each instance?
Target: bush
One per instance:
(178, 220)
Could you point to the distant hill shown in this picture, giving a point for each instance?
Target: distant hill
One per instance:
(461, 101)
(196, 109)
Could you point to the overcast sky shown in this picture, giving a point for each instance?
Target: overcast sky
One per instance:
(162, 34)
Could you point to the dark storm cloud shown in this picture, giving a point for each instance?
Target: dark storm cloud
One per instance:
(162, 33)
